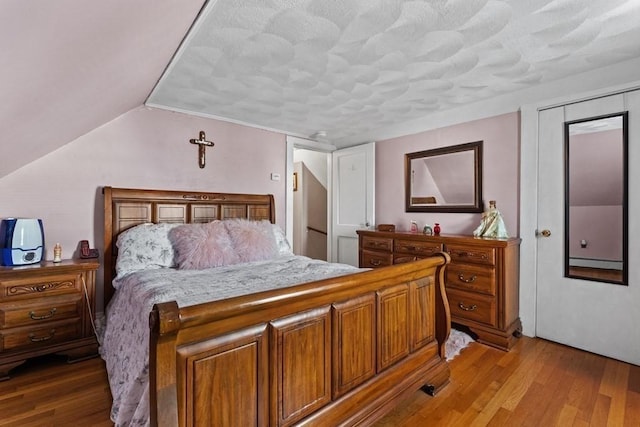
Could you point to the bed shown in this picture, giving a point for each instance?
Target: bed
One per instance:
(317, 344)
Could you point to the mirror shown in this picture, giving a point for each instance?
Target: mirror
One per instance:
(596, 199)
(447, 179)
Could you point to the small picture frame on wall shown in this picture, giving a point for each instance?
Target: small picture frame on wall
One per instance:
(295, 181)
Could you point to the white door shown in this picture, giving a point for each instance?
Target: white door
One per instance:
(599, 317)
(352, 200)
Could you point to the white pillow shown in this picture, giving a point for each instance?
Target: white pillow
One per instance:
(284, 248)
(145, 246)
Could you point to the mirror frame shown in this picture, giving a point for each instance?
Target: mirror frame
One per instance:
(625, 195)
(476, 206)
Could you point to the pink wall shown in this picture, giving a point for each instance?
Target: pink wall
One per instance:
(500, 173)
(144, 148)
(601, 227)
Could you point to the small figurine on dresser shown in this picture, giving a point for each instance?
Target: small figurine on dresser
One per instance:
(492, 224)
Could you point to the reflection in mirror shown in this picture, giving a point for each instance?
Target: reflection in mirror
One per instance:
(447, 179)
(596, 199)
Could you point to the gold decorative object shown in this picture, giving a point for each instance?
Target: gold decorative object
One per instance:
(202, 144)
(57, 253)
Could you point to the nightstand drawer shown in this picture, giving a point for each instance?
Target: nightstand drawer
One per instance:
(471, 278)
(32, 337)
(470, 254)
(377, 244)
(416, 247)
(472, 307)
(376, 259)
(17, 313)
(49, 285)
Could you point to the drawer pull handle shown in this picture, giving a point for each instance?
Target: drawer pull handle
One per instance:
(375, 262)
(465, 308)
(46, 316)
(33, 337)
(472, 254)
(469, 280)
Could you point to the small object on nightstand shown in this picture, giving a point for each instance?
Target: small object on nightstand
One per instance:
(414, 227)
(85, 252)
(57, 253)
(387, 227)
(427, 230)
(436, 229)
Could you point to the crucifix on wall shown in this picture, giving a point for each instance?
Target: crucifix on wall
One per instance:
(202, 144)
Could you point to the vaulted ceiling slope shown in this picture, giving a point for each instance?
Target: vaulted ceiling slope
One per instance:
(353, 67)
(70, 66)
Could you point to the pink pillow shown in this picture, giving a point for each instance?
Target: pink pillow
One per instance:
(199, 246)
(252, 240)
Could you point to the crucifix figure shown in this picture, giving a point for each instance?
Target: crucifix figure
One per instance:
(202, 146)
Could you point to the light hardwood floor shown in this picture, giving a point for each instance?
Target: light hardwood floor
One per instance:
(538, 383)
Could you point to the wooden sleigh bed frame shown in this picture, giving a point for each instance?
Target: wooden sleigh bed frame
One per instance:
(340, 351)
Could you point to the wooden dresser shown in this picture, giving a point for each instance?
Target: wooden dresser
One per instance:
(44, 308)
(481, 281)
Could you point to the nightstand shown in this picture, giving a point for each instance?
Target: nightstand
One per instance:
(46, 308)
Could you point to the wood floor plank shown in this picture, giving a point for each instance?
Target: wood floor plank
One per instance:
(617, 390)
(567, 416)
(601, 411)
(632, 409)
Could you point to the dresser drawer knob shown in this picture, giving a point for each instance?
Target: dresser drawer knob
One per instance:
(46, 316)
(469, 280)
(466, 308)
(33, 337)
(375, 262)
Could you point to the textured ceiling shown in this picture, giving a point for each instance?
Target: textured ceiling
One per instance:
(346, 67)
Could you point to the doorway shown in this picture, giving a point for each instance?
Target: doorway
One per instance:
(311, 177)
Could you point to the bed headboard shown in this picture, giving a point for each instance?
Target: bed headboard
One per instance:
(126, 207)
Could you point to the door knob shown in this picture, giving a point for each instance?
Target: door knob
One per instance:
(543, 233)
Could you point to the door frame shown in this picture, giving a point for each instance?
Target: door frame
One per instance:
(529, 194)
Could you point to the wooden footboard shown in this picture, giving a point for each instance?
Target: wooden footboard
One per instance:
(340, 351)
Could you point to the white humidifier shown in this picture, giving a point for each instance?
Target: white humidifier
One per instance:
(21, 241)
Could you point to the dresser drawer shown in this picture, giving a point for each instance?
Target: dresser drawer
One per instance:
(414, 247)
(377, 243)
(474, 307)
(372, 259)
(40, 336)
(472, 278)
(19, 313)
(471, 254)
(34, 287)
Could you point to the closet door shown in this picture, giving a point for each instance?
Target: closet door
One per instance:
(599, 315)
